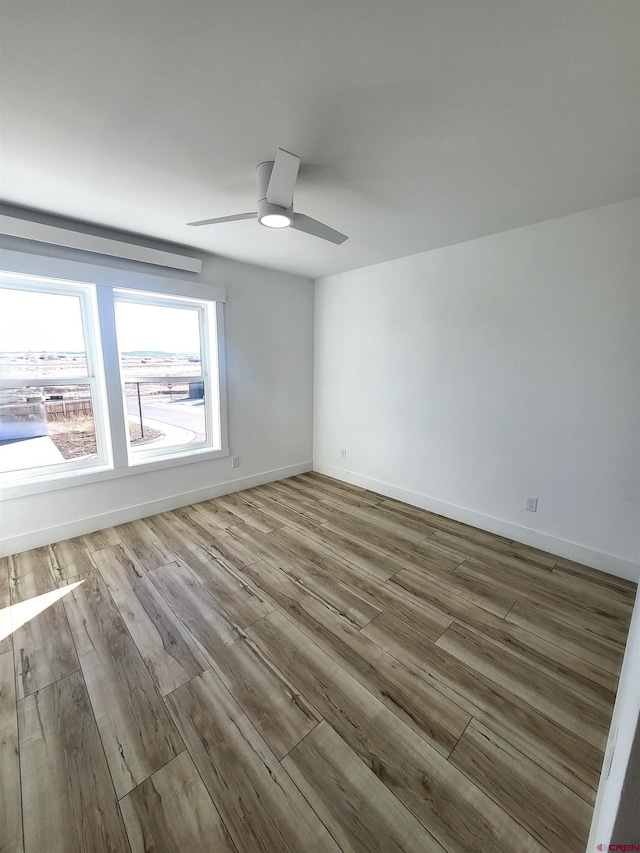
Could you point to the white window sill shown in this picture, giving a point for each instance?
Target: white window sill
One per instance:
(15, 489)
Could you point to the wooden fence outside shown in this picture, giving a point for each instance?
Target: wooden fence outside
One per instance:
(60, 410)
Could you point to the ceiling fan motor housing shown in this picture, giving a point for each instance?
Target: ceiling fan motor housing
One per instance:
(263, 175)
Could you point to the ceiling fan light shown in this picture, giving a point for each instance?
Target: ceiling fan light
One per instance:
(275, 220)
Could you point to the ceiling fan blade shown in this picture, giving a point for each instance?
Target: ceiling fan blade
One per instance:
(283, 178)
(312, 226)
(224, 219)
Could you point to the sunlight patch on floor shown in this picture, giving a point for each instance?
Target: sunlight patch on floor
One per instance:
(17, 615)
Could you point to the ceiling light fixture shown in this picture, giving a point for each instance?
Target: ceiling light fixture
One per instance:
(275, 220)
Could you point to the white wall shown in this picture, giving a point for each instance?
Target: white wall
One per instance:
(466, 378)
(269, 352)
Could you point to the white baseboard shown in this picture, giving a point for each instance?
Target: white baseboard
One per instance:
(81, 526)
(601, 560)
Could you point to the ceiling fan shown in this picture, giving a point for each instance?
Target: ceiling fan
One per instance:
(276, 183)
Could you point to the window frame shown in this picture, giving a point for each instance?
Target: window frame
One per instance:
(94, 379)
(208, 364)
(104, 282)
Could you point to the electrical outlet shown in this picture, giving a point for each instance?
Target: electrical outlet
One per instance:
(235, 461)
(343, 453)
(532, 504)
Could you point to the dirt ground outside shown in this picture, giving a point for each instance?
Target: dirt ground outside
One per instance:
(76, 437)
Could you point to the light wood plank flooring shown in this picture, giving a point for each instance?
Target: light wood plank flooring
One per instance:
(303, 666)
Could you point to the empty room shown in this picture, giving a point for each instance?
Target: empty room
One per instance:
(319, 426)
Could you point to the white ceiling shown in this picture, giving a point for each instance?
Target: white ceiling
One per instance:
(419, 124)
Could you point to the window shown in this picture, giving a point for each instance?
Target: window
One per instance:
(52, 402)
(101, 380)
(163, 347)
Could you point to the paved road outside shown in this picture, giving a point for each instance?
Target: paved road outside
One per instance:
(184, 413)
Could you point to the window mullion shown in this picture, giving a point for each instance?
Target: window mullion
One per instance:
(206, 367)
(218, 373)
(113, 381)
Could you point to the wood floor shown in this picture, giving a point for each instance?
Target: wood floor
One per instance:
(304, 666)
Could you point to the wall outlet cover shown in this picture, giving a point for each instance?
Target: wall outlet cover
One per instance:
(532, 504)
